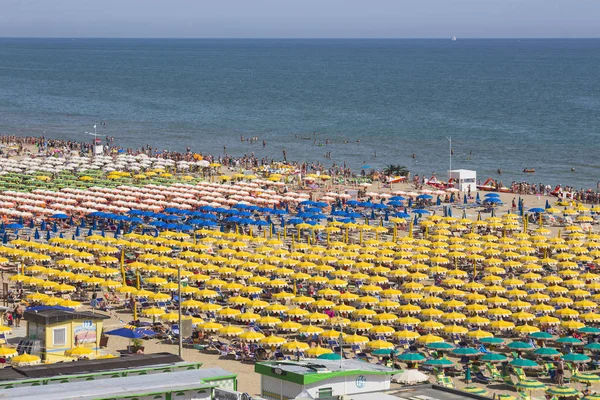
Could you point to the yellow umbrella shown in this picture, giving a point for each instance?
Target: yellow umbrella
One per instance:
(317, 351)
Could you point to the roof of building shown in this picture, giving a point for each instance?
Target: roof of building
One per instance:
(54, 316)
(131, 386)
(88, 366)
(305, 372)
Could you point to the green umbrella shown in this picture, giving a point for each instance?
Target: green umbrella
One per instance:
(438, 362)
(491, 340)
(546, 352)
(569, 340)
(465, 351)
(506, 397)
(585, 378)
(590, 330)
(523, 363)
(592, 346)
(475, 390)
(493, 357)
(440, 346)
(519, 346)
(330, 356)
(575, 358)
(530, 384)
(591, 397)
(563, 391)
(541, 335)
(411, 357)
(384, 352)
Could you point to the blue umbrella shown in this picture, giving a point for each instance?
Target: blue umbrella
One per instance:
(77, 233)
(47, 235)
(536, 210)
(5, 238)
(43, 225)
(424, 197)
(59, 216)
(438, 202)
(31, 224)
(547, 204)
(465, 200)
(131, 333)
(493, 200)
(421, 211)
(488, 195)
(478, 199)
(14, 226)
(36, 235)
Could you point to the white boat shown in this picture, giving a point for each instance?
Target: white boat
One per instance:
(454, 38)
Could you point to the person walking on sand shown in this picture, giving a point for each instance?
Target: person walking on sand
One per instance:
(18, 314)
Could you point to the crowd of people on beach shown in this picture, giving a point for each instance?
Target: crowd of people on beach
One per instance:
(20, 145)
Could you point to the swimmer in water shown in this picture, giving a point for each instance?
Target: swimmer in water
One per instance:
(572, 169)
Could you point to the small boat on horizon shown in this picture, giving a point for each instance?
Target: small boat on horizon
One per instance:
(454, 38)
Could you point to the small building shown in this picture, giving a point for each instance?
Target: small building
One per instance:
(321, 378)
(464, 179)
(57, 330)
(197, 384)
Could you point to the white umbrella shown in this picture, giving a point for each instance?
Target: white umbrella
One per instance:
(410, 376)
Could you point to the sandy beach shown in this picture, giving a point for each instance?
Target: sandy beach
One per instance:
(214, 252)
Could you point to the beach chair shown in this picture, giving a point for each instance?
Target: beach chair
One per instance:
(447, 382)
(523, 396)
(478, 376)
(508, 381)
(547, 369)
(483, 350)
(520, 374)
(494, 373)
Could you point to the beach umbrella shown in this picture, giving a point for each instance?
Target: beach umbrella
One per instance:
(7, 352)
(519, 346)
(589, 330)
(530, 384)
(592, 347)
(575, 358)
(411, 357)
(569, 340)
(465, 352)
(78, 352)
(410, 376)
(585, 378)
(491, 341)
(562, 391)
(546, 352)
(25, 359)
(384, 352)
(541, 335)
(439, 345)
(439, 362)
(493, 357)
(329, 356)
(523, 363)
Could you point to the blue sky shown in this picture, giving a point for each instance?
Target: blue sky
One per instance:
(300, 19)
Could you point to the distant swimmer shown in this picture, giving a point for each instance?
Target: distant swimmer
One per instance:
(414, 156)
(357, 140)
(499, 171)
(572, 169)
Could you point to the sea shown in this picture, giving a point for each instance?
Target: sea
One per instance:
(500, 104)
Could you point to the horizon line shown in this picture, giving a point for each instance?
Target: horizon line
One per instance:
(299, 38)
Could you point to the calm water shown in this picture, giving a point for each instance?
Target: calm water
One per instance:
(512, 103)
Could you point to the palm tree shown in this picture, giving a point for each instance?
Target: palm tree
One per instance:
(395, 170)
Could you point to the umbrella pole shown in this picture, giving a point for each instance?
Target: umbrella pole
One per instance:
(180, 342)
(123, 264)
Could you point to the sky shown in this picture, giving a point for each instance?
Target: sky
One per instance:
(300, 18)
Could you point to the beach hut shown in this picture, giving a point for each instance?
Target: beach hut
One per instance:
(59, 329)
(321, 378)
(464, 180)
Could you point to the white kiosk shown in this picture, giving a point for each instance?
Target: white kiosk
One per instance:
(464, 179)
